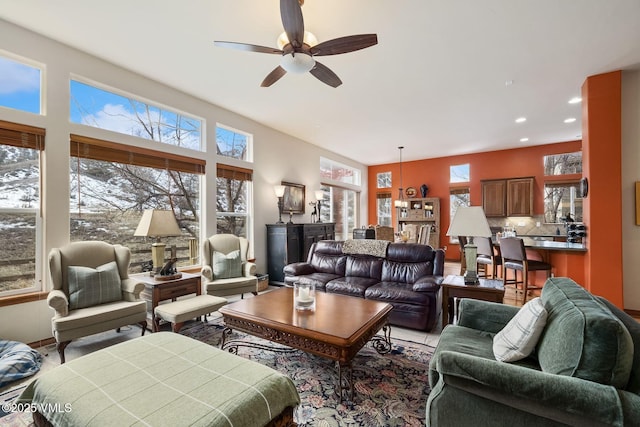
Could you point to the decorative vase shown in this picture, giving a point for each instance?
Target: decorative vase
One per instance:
(423, 190)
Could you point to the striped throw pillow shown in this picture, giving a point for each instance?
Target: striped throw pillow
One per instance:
(520, 336)
(93, 286)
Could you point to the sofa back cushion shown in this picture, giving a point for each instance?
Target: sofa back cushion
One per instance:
(407, 262)
(366, 266)
(582, 337)
(326, 257)
(633, 327)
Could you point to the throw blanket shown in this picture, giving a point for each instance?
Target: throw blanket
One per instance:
(366, 247)
(17, 360)
(162, 379)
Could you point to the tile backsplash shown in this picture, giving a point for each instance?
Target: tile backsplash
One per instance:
(529, 226)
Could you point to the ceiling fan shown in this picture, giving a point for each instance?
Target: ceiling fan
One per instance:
(298, 50)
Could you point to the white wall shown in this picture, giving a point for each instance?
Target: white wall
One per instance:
(630, 174)
(30, 322)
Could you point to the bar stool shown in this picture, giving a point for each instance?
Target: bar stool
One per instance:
(514, 257)
(487, 256)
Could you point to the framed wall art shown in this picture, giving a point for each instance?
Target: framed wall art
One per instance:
(293, 198)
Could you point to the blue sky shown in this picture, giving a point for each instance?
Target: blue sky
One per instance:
(19, 86)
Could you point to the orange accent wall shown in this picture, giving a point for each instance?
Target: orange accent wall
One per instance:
(602, 165)
(526, 161)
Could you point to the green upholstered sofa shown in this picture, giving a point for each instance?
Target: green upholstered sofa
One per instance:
(583, 371)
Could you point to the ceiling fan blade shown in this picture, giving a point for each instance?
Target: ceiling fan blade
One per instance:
(325, 75)
(247, 47)
(292, 21)
(273, 76)
(344, 44)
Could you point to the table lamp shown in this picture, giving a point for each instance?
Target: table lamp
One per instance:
(157, 223)
(471, 222)
(279, 191)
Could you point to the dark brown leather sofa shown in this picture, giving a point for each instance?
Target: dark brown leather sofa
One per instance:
(408, 278)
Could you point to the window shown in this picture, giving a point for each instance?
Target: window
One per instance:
(459, 173)
(233, 196)
(234, 144)
(563, 164)
(457, 197)
(383, 208)
(340, 205)
(561, 199)
(384, 180)
(20, 148)
(20, 85)
(335, 171)
(100, 108)
(561, 195)
(112, 184)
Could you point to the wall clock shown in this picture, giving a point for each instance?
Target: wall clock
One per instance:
(411, 192)
(584, 187)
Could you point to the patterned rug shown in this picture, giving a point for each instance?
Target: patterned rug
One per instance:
(390, 389)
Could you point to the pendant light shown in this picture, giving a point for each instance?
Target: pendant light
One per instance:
(401, 202)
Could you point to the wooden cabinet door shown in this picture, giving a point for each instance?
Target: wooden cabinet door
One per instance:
(494, 197)
(520, 197)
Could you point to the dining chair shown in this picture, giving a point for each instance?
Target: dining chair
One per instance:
(487, 256)
(514, 257)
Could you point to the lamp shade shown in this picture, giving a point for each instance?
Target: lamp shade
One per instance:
(319, 194)
(157, 223)
(278, 190)
(469, 221)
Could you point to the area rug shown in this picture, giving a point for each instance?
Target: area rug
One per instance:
(390, 390)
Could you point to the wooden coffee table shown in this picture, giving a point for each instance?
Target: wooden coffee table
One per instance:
(337, 330)
(453, 286)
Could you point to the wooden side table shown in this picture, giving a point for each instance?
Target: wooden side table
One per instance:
(161, 290)
(454, 287)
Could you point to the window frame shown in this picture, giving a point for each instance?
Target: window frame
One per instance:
(27, 137)
(42, 80)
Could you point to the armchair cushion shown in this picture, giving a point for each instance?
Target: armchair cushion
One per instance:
(93, 286)
(226, 266)
(520, 336)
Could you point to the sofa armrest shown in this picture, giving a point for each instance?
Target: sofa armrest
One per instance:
(131, 289)
(427, 284)
(559, 397)
(249, 269)
(484, 315)
(298, 269)
(59, 302)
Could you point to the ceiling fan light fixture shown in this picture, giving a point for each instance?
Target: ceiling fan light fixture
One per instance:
(297, 63)
(309, 39)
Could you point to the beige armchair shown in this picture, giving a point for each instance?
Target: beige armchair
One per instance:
(226, 270)
(92, 291)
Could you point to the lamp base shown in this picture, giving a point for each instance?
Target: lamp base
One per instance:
(471, 278)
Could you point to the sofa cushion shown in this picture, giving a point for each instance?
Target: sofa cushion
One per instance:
(364, 266)
(328, 263)
(519, 337)
(394, 292)
(582, 337)
(226, 266)
(354, 286)
(93, 286)
(320, 280)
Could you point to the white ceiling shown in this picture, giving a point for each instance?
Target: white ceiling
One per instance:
(435, 83)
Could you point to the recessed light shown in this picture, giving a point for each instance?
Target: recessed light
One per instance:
(524, 139)
(521, 119)
(508, 83)
(575, 100)
(570, 120)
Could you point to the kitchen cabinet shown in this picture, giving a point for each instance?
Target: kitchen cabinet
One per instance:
(494, 197)
(507, 197)
(289, 243)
